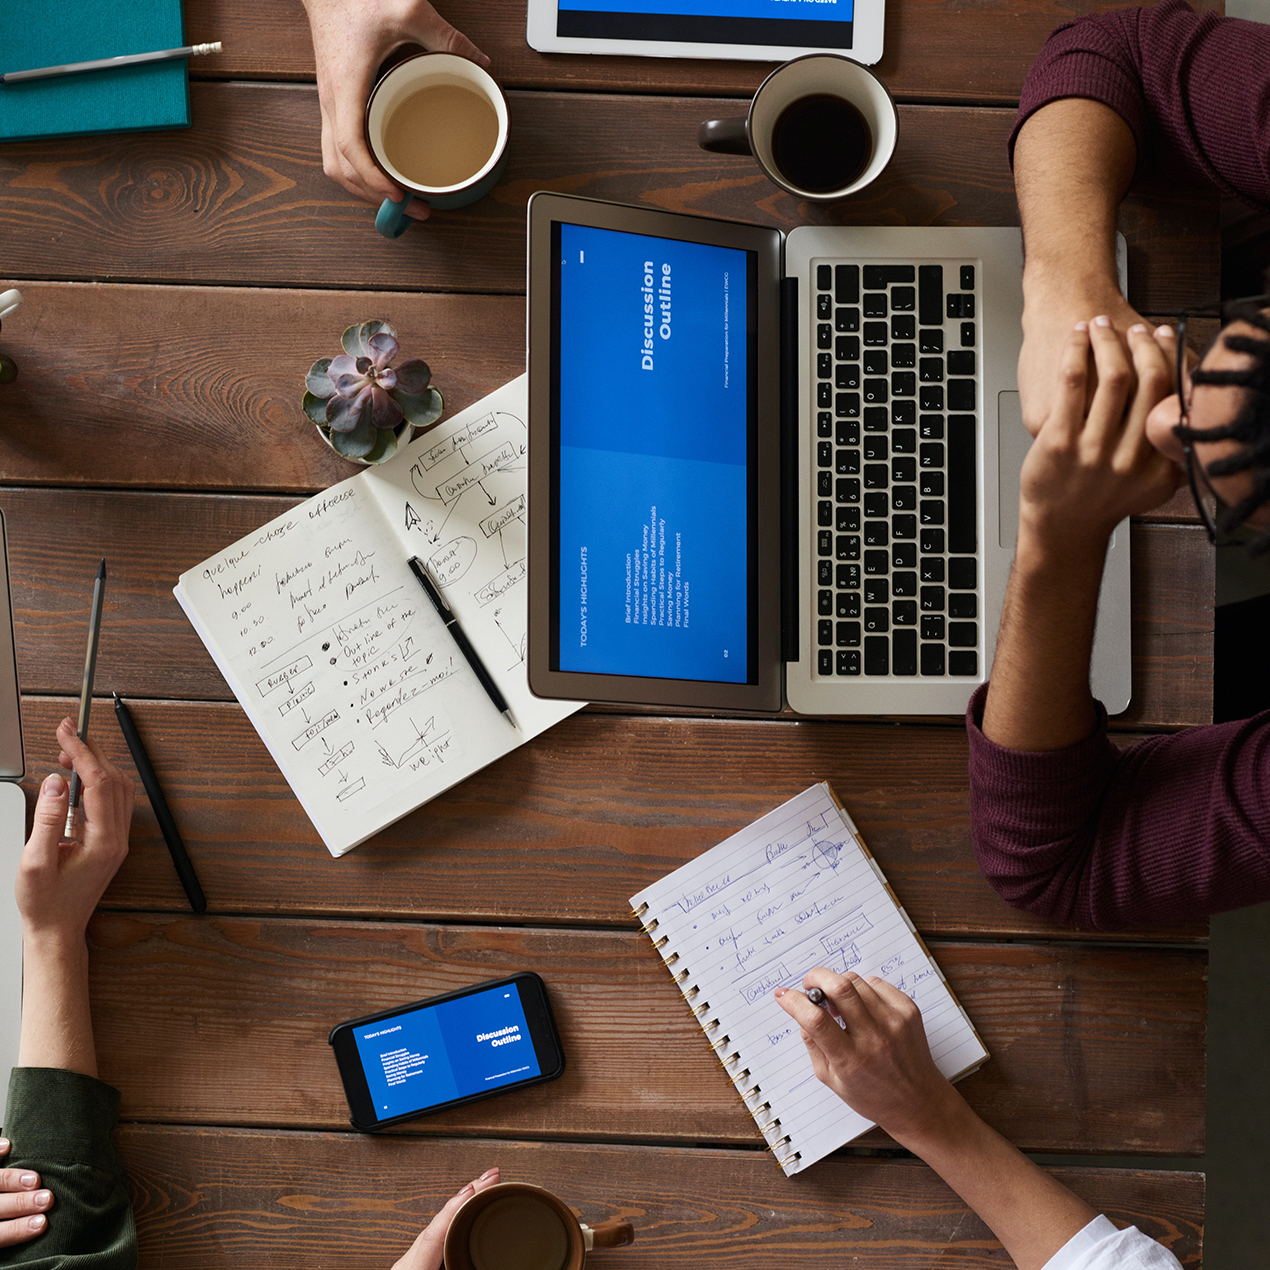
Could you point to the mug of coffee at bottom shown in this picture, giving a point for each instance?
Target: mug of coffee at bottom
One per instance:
(822, 127)
(437, 125)
(515, 1226)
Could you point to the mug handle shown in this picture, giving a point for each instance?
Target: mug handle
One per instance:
(391, 219)
(608, 1234)
(724, 136)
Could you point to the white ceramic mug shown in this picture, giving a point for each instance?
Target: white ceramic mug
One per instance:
(815, 74)
(427, 70)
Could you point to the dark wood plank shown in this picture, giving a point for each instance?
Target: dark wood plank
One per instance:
(148, 648)
(235, 1197)
(242, 195)
(583, 817)
(224, 1021)
(956, 50)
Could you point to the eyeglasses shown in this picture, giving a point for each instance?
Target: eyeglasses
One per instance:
(1201, 487)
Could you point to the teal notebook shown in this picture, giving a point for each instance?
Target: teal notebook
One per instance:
(52, 32)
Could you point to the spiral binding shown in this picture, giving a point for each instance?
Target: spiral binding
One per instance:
(700, 1012)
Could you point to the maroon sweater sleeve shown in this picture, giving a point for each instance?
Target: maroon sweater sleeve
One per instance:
(1095, 836)
(1194, 88)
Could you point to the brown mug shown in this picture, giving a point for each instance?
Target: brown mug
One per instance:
(515, 1226)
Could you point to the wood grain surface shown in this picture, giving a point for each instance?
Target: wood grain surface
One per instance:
(241, 194)
(224, 1021)
(561, 831)
(234, 1197)
(148, 648)
(940, 50)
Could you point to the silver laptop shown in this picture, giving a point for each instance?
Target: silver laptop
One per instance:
(12, 835)
(767, 469)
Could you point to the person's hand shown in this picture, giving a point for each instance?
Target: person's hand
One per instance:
(350, 40)
(1090, 467)
(60, 883)
(1048, 318)
(878, 1060)
(425, 1252)
(22, 1203)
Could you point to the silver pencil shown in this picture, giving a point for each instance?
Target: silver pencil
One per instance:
(86, 692)
(110, 63)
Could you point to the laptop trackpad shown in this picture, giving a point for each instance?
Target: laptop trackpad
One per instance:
(1013, 441)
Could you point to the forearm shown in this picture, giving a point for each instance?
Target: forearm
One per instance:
(1039, 696)
(1029, 1212)
(57, 1028)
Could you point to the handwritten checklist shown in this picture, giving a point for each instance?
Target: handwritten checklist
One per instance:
(795, 890)
(334, 652)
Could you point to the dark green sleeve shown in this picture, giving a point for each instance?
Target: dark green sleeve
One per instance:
(60, 1124)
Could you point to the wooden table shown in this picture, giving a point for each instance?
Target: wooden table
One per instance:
(178, 285)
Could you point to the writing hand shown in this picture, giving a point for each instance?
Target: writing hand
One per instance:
(60, 883)
(1090, 467)
(22, 1203)
(351, 38)
(425, 1252)
(877, 1059)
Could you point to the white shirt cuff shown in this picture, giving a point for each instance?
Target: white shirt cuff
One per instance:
(1101, 1246)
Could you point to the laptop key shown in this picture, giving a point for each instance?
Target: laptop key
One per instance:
(904, 653)
(846, 348)
(904, 498)
(963, 536)
(875, 448)
(967, 276)
(903, 584)
(874, 563)
(824, 395)
(963, 573)
(824, 632)
(848, 603)
(963, 604)
(848, 491)
(875, 361)
(903, 299)
(903, 383)
(847, 547)
(962, 394)
(875, 390)
(961, 634)
(932, 568)
(932, 659)
(847, 577)
(877, 655)
(960, 663)
(877, 533)
(846, 284)
(848, 634)
(824, 513)
(961, 306)
(967, 335)
(931, 512)
(903, 355)
(847, 463)
(874, 305)
(877, 591)
(878, 276)
(824, 572)
(903, 413)
(931, 370)
(904, 613)
(904, 526)
(846, 319)
(824, 306)
(932, 341)
(877, 621)
(824, 603)
(932, 397)
(903, 327)
(845, 374)
(824, 454)
(931, 454)
(824, 543)
(932, 626)
(875, 419)
(961, 361)
(930, 295)
(824, 424)
(904, 440)
(875, 476)
(824, 484)
(932, 598)
(903, 555)
(932, 541)
(875, 504)
(824, 661)
(904, 468)
(824, 368)
(846, 404)
(824, 335)
(848, 432)
(824, 277)
(931, 427)
(847, 520)
(931, 484)
(849, 662)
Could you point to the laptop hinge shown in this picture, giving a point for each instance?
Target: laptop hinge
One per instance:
(789, 469)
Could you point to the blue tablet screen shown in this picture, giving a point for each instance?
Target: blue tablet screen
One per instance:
(788, 23)
(653, 470)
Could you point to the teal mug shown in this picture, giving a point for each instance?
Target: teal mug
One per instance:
(437, 124)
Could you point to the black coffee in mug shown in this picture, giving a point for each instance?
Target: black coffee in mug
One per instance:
(821, 142)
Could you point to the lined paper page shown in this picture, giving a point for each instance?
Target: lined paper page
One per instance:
(794, 890)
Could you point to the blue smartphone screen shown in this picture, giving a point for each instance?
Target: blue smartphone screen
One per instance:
(420, 1058)
(653, 484)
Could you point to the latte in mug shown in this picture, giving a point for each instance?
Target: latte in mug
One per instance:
(441, 135)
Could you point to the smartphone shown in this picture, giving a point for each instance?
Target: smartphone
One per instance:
(447, 1051)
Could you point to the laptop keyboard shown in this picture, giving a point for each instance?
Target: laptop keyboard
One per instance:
(896, 355)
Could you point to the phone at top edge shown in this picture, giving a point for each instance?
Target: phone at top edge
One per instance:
(445, 1051)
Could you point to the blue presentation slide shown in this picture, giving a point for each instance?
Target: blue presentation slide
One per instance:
(461, 1047)
(653, 562)
(784, 10)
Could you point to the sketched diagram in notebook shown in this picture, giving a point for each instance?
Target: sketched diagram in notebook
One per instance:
(468, 506)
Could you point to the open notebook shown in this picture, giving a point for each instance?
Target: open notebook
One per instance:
(330, 645)
(797, 889)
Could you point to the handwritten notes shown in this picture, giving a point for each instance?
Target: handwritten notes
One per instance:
(331, 646)
(797, 889)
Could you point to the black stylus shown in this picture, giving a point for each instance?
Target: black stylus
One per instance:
(162, 813)
(420, 570)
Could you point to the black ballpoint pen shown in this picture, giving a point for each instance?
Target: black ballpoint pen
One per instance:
(420, 570)
(162, 813)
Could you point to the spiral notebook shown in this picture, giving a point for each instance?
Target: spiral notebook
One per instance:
(797, 889)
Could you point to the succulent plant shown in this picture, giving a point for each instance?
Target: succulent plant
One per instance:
(359, 399)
